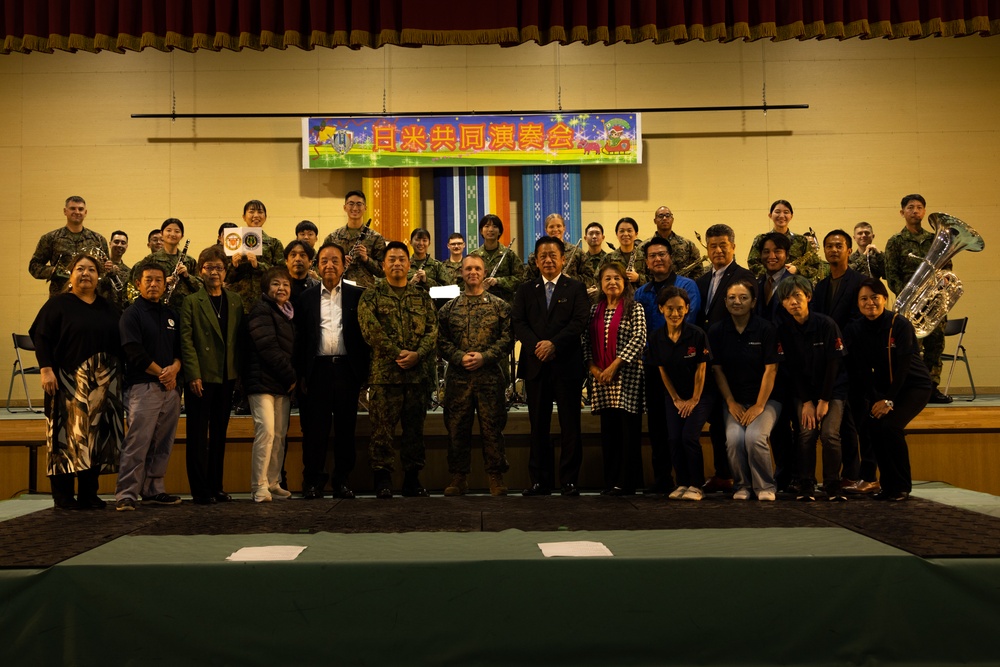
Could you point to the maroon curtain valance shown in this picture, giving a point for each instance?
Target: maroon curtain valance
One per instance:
(133, 25)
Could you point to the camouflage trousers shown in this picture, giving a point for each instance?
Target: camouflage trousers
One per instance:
(387, 406)
(464, 397)
(932, 347)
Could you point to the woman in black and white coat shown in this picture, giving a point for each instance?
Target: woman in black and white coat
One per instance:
(613, 344)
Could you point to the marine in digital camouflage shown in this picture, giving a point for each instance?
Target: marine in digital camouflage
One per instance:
(510, 273)
(54, 251)
(363, 272)
(802, 255)
(435, 273)
(871, 264)
(479, 323)
(106, 287)
(686, 257)
(639, 265)
(245, 279)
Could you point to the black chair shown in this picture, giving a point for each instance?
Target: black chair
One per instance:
(22, 342)
(957, 327)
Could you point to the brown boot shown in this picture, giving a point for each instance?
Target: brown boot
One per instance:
(497, 487)
(459, 485)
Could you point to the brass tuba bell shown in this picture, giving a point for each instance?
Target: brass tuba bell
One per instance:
(931, 292)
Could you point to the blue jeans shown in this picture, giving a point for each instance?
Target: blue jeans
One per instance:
(747, 449)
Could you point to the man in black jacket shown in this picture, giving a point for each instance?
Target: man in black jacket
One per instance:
(550, 313)
(331, 360)
(712, 286)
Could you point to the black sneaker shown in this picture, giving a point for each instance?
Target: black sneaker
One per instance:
(162, 499)
(806, 494)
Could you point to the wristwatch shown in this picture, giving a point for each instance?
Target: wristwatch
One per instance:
(889, 404)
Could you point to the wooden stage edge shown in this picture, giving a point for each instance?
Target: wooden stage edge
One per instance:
(955, 444)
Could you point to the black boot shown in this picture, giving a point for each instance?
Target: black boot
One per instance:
(87, 483)
(411, 485)
(383, 484)
(62, 491)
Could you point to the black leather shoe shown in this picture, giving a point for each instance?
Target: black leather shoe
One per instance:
(383, 484)
(657, 489)
(92, 503)
(312, 493)
(341, 491)
(385, 493)
(536, 490)
(569, 490)
(203, 500)
(938, 397)
(895, 497)
(222, 497)
(412, 488)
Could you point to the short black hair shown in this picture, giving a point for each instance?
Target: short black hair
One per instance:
(226, 225)
(656, 240)
(875, 285)
(456, 235)
(746, 282)
(594, 224)
(398, 245)
(332, 244)
(119, 232)
(297, 243)
(420, 231)
(172, 221)
(355, 193)
(914, 197)
(543, 240)
(151, 234)
(255, 204)
(306, 226)
(635, 225)
(491, 218)
(792, 283)
(840, 232)
(779, 240)
(669, 292)
(721, 230)
(148, 266)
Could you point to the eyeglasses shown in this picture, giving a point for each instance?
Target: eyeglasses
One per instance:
(355, 204)
(213, 268)
(664, 215)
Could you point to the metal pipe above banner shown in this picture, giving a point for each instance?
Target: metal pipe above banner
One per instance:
(554, 139)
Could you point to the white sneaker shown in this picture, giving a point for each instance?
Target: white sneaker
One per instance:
(693, 493)
(766, 496)
(742, 494)
(677, 493)
(279, 492)
(261, 497)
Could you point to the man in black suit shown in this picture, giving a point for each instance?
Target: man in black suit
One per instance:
(837, 296)
(550, 314)
(712, 286)
(773, 248)
(331, 360)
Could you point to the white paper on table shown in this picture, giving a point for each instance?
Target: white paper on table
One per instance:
(266, 553)
(243, 241)
(575, 549)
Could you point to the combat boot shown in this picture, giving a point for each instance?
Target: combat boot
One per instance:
(411, 485)
(497, 487)
(459, 485)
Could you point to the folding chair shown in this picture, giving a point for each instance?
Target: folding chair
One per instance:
(22, 342)
(957, 327)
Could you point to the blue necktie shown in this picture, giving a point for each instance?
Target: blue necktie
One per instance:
(549, 288)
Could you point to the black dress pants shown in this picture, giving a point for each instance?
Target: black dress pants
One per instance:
(330, 398)
(543, 390)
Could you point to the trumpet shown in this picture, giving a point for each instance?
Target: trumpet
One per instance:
(180, 262)
(361, 239)
(493, 273)
(933, 291)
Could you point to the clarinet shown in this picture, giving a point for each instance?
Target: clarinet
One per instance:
(180, 262)
(361, 239)
(493, 273)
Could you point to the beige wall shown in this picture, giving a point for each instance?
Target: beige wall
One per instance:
(885, 119)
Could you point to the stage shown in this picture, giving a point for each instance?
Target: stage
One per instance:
(463, 581)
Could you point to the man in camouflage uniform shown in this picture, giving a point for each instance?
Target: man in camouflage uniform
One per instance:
(113, 285)
(245, 270)
(803, 257)
(456, 250)
(867, 259)
(575, 263)
(628, 251)
(900, 267)
(474, 337)
(687, 260)
(364, 259)
(398, 322)
(594, 236)
(509, 269)
(57, 248)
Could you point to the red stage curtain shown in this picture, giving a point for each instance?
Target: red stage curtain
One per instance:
(119, 25)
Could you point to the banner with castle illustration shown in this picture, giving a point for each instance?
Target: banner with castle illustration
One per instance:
(346, 142)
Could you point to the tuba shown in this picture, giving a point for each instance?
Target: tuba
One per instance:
(932, 291)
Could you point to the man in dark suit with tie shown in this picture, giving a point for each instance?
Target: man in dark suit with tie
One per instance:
(550, 314)
(773, 248)
(837, 296)
(211, 321)
(712, 286)
(331, 361)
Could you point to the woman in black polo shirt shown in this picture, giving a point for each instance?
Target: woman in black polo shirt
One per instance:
(745, 364)
(681, 352)
(886, 373)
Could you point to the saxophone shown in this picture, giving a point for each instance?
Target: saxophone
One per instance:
(180, 262)
(931, 292)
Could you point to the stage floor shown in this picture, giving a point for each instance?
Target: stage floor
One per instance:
(463, 581)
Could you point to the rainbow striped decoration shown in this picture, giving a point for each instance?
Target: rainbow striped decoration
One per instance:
(393, 202)
(548, 190)
(462, 196)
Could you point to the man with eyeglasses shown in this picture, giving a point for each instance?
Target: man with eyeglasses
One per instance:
(687, 258)
(365, 247)
(211, 320)
(660, 269)
(456, 252)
